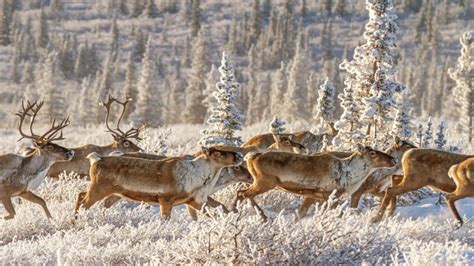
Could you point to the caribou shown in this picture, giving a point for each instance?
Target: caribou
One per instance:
(463, 176)
(122, 142)
(312, 176)
(20, 175)
(169, 182)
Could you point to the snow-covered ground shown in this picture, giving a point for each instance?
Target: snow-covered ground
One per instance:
(423, 233)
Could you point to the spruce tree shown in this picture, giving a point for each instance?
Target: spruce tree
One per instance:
(43, 35)
(278, 90)
(5, 23)
(194, 111)
(428, 135)
(196, 18)
(150, 9)
(325, 105)
(277, 125)
(401, 125)
(294, 97)
(371, 73)
(130, 89)
(464, 91)
(440, 140)
(147, 109)
(226, 118)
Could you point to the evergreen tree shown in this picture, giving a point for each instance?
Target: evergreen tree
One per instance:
(141, 40)
(325, 106)
(130, 90)
(401, 125)
(150, 9)
(43, 35)
(14, 77)
(294, 97)
(87, 107)
(27, 76)
(146, 107)
(440, 140)
(226, 117)
(256, 23)
(5, 23)
(194, 111)
(105, 87)
(123, 8)
(464, 91)
(277, 125)
(419, 135)
(56, 8)
(115, 36)
(137, 9)
(48, 90)
(304, 8)
(348, 124)
(278, 90)
(371, 72)
(196, 18)
(428, 135)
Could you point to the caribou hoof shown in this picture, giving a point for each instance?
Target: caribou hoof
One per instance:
(9, 217)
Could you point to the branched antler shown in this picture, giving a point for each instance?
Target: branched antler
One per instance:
(32, 110)
(117, 132)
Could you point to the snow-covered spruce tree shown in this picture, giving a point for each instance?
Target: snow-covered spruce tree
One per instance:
(419, 135)
(196, 18)
(106, 82)
(48, 90)
(348, 124)
(401, 125)
(325, 105)
(428, 135)
(277, 125)
(87, 107)
(225, 117)
(440, 140)
(151, 11)
(130, 89)
(14, 76)
(146, 106)
(43, 35)
(5, 22)
(371, 73)
(279, 85)
(295, 109)
(27, 76)
(195, 112)
(464, 92)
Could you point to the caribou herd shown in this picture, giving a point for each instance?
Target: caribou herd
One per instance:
(292, 162)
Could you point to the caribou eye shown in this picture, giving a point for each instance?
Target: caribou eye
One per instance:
(217, 154)
(126, 143)
(237, 168)
(372, 154)
(287, 142)
(49, 147)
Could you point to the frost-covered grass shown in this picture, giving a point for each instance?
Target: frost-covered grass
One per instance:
(135, 233)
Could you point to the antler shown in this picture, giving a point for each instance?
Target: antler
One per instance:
(135, 132)
(51, 134)
(131, 133)
(25, 112)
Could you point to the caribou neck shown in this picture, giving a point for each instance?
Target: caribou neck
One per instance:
(355, 169)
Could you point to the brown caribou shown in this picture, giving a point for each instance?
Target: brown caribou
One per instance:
(122, 142)
(20, 175)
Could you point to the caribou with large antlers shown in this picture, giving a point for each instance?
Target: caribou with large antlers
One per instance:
(122, 142)
(19, 175)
